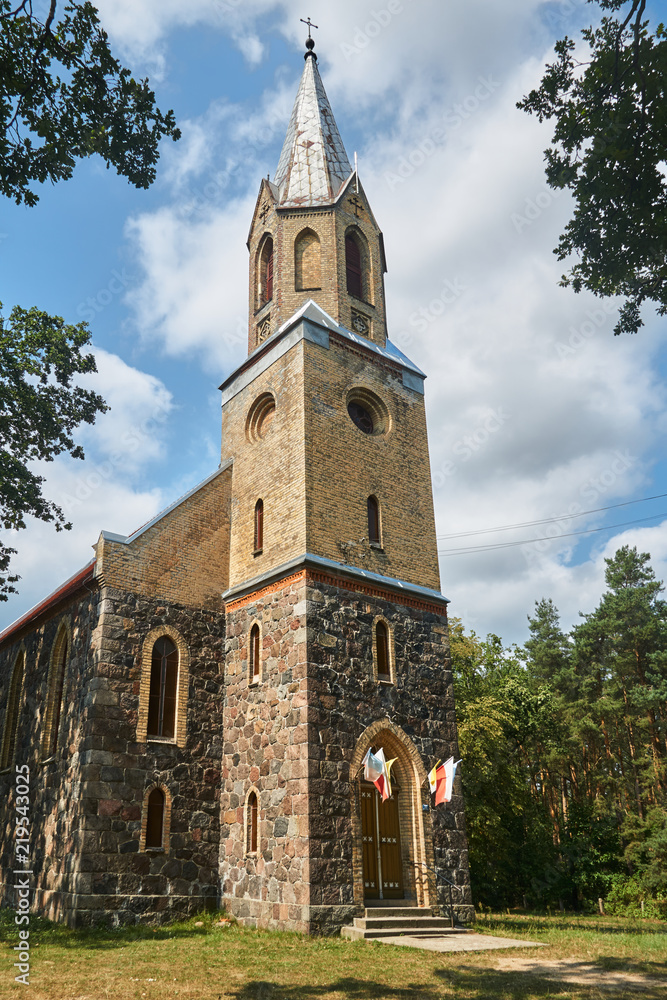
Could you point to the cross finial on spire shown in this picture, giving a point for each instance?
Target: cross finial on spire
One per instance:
(310, 25)
(310, 42)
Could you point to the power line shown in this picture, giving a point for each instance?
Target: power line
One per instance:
(550, 520)
(546, 538)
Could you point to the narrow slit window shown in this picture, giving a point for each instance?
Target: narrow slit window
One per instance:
(155, 819)
(259, 526)
(382, 650)
(373, 521)
(254, 653)
(164, 685)
(353, 267)
(252, 823)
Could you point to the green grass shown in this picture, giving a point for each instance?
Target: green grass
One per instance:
(232, 963)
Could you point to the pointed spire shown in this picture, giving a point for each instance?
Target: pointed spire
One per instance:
(313, 165)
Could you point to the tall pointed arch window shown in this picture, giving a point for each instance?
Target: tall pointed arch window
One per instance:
(373, 508)
(353, 267)
(163, 690)
(265, 272)
(254, 662)
(307, 261)
(55, 693)
(259, 526)
(12, 714)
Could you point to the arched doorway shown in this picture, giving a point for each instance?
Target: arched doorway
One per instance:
(392, 840)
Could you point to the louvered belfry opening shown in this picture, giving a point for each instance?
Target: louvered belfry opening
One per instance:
(164, 684)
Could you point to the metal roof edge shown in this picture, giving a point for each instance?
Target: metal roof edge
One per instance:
(320, 562)
(70, 586)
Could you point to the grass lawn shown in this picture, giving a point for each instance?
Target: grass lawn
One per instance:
(210, 962)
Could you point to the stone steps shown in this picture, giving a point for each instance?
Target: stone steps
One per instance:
(393, 921)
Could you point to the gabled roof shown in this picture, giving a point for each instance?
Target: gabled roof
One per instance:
(313, 164)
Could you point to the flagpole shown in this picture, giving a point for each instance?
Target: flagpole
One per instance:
(377, 833)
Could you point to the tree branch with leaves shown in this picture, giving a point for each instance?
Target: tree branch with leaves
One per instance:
(609, 149)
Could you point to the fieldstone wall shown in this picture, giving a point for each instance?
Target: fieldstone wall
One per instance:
(292, 737)
(88, 800)
(55, 817)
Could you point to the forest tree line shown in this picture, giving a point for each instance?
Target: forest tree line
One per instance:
(564, 747)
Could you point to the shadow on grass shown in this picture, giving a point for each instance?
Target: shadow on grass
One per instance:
(47, 932)
(472, 982)
(609, 963)
(553, 924)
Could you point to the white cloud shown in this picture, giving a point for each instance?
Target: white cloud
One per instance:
(454, 173)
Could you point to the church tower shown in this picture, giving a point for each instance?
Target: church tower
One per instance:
(336, 629)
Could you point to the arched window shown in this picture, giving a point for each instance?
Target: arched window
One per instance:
(307, 273)
(254, 657)
(251, 824)
(382, 651)
(155, 820)
(266, 272)
(355, 285)
(164, 685)
(259, 526)
(55, 693)
(12, 716)
(373, 521)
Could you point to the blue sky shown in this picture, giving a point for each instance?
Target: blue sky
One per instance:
(535, 410)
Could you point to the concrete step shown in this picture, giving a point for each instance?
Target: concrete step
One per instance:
(399, 925)
(397, 921)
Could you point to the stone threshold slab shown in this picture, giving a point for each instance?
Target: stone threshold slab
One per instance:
(459, 941)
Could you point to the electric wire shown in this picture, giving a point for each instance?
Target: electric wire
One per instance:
(466, 550)
(550, 520)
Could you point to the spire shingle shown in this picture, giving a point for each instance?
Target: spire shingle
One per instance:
(313, 164)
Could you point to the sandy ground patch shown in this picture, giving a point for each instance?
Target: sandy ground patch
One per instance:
(566, 970)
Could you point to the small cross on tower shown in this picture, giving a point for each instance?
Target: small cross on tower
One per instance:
(357, 205)
(310, 24)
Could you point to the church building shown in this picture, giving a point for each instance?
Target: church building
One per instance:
(193, 708)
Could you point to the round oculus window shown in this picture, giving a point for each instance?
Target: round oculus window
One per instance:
(361, 417)
(368, 412)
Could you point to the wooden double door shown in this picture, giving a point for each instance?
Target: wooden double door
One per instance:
(381, 838)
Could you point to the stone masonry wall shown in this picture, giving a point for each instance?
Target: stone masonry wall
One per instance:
(54, 811)
(344, 701)
(88, 800)
(291, 738)
(266, 749)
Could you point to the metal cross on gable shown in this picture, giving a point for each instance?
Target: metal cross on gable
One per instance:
(358, 206)
(309, 23)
